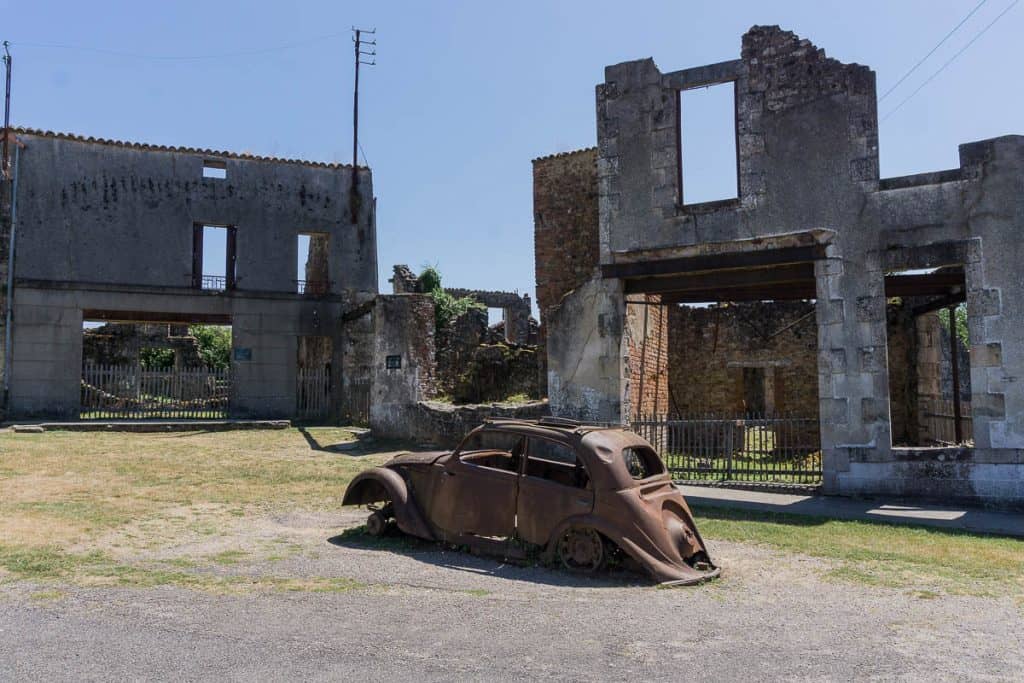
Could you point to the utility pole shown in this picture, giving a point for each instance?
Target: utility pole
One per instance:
(5, 153)
(360, 54)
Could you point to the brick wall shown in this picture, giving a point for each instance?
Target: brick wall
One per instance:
(565, 224)
(647, 328)
(710, 347)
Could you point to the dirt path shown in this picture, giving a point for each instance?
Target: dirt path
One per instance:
(416, 611)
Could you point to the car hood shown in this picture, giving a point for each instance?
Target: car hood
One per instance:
(421, 458)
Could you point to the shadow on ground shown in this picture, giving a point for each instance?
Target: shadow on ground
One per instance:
(447, 557)
(364, 444)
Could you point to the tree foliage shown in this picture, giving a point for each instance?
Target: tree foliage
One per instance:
(214, 344)
(961, 322)
(155, 358)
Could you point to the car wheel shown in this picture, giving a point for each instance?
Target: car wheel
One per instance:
(376, 524)
(581, 549)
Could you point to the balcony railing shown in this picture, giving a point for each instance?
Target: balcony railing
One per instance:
(215, 282)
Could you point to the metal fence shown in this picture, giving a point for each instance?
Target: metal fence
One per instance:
(313, 393)
(132, 393)
(940, 423)
(780, 449)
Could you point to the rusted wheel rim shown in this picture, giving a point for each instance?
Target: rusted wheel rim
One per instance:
(581, 550)
(376, 524)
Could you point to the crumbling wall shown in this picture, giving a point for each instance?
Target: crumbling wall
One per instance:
(444, 425)
(710, 348)
(565, 230)
(120, 344)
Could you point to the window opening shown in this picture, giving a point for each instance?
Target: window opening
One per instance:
(312, 266)
(642, 462)
(492, 449)
(707, 133)
(555, 462)
(215, 169)
(213, 257)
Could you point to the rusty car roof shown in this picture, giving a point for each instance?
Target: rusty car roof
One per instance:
(598, 444)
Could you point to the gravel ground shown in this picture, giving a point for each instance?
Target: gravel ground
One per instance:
(429, 614)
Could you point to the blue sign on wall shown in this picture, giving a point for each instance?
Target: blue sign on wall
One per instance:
(243, 353)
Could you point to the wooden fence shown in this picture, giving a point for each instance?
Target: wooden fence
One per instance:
(129, 392)
(940, 425)
(313, 393)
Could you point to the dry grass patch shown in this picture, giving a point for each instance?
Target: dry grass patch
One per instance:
(86, 506)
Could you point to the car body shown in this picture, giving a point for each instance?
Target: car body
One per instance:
(575, 493)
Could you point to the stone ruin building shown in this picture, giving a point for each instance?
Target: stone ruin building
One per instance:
(817, 288)
(114, 232)
(114, 344)
(476, 362)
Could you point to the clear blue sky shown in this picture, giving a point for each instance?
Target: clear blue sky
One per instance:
(465, 94)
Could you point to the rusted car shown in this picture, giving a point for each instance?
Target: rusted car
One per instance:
(576, 493)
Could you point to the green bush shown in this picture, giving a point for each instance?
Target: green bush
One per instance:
(214, 344)
(446, 307)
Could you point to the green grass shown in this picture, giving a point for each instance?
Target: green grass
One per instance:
(882, 554)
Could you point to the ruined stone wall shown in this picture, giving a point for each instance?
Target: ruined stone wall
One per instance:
(709, 348)
(120, 344)
(475, 364)
(565, 224)
(647, 341)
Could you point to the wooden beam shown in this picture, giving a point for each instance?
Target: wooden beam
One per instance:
(731, 260)
(155, 317)
(762, 293)
(801, 273)
(939, 304)
(923, 285)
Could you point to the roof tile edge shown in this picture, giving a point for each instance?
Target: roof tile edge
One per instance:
(21, 130)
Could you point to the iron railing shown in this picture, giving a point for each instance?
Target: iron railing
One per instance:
(777, 449)
(131, 392)
(216, 282)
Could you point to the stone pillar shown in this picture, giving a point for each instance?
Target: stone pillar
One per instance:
(995, 291)
(853, 388)
(403, 371)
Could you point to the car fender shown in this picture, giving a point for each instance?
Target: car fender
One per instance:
(380, 484)
(662, 569)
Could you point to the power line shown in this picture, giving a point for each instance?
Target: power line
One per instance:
(952, 59)
(184, 58)
(932, 51)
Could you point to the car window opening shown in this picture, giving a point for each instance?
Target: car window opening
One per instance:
(642, 462)
(494, 450)
(555, 462)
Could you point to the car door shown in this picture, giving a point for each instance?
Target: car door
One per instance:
(553, 485)
(477, 499)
